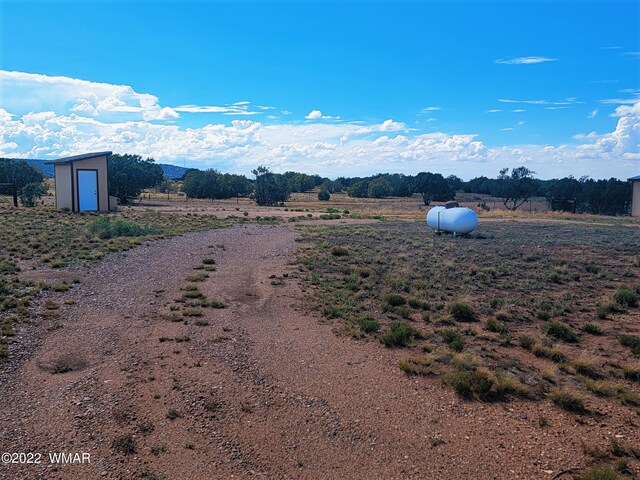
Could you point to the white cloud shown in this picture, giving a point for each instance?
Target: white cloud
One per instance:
(568, 101)
(64, 95)
(593, 113)
(42, 126)
(518, 110)
(235, 109)
(494, 110)
(429, 109)
(317, 115)
(521, 122)
(524, 60)
(102, 101)
(314, 115)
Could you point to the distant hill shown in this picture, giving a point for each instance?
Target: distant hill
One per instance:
(170, 171)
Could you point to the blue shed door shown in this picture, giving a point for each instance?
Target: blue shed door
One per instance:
(87, 190)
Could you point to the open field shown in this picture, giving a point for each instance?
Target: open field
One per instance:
(514, 310)
(194, 341)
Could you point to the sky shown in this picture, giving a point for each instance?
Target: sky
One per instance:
(334, 88)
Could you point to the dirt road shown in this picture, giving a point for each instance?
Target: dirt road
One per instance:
(265, 389)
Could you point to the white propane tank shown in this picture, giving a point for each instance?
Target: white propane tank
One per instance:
(455, 220)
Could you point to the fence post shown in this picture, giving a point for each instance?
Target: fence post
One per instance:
(15, 194)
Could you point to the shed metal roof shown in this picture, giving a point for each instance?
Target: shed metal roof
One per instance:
(77, 158)
(633, 179)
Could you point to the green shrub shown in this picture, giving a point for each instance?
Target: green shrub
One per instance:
(626, 297)
(338, 251)
(398, 335)
(478, 383)
(332, 311)
(394, 299)
(591, 268)
(497, 303)
(323, 195)
(560, 331)
(453, 339)
(104, 227)
(418, 304)
(369, 325)
(592, 329)
(603, 310)
(600, 472)
(632, 342)
(494, 325)
(462, 311)
(31, 193)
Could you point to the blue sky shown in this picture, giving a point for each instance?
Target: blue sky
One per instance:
(328, 87)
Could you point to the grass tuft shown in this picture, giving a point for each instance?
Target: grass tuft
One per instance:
(462, 311)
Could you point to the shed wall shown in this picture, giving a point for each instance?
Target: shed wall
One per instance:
(63, 186)
(99, 164)
(635, 202)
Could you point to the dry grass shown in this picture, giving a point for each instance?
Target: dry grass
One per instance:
(527, 322)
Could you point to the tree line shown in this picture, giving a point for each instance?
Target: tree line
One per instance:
(130, 174)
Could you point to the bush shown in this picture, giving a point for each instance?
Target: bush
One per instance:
(560, 331)
(632, 342)
(600, 472)
(103, 227)
(394, 299)
(339, 251)
(417, 365)
(369, 325)
(323, 196)
(453, 339)
(497, 303)
(399, 335)
(603, 310)
(462, 311)
(496, 326)
(472, 383)
(31, 193)
(626, 297)
(527, 342)
(130, 174)
(592, 329)
(418, 304)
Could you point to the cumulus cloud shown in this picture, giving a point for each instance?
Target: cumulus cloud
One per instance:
(63, 118)
(314, 115)
(317, 115)
(64, 95)
(102, 101)
(524, 60)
